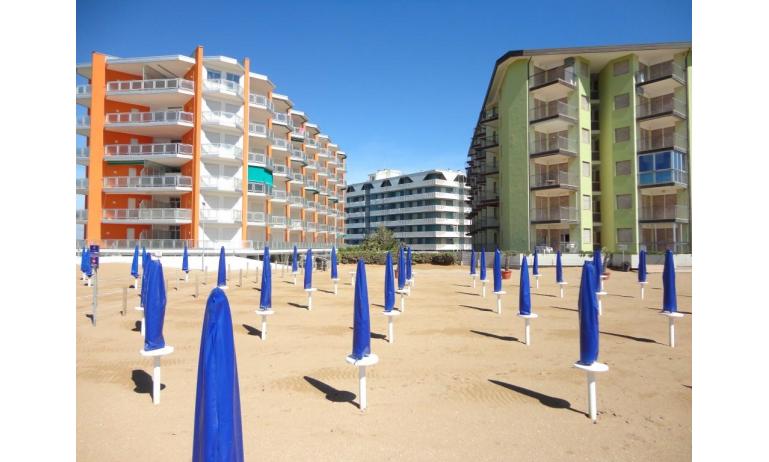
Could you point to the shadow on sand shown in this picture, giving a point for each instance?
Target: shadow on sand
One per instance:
(250, 330)
(549, 401)
(630, 337)
(304, 307)
(477, 308)
(468, 293)
(564, 308)
(498, 337)
(332, 394)
(375, 335)
(143, 382)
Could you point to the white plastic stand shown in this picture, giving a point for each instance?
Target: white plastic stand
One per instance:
(643, 286)
(136, 284)
(603, 278)
(499, 300)
(293, 274)
(89, 281)
(536, 281)
(309, 297)
(82, 276)
(560, 286)
(527, 318)
(362, 364)
(591, 370)
(403, 293)
(672, 326)
(264, 314)
(186, 276)
(413, 279)
(336, 284)
(140, 308)
(390, 331)
(157, 354)
(600, 305)
(410, 284)
(483, 289)
(472, 276)
(352, 278)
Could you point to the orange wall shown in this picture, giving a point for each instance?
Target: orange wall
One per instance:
(96, 147)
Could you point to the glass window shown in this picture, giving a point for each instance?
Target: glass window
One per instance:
(214, 75)
(586, 169)
(586, 136)
(586, 202)
(586, 236)
(662, 160)
(646, 163)
(233, 77)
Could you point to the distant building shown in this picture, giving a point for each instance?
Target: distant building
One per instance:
(426, 210)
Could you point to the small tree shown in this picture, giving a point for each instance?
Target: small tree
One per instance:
(382, 239)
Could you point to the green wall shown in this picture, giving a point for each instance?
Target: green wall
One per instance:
(582, 68)
(259, 175)
(514, 159)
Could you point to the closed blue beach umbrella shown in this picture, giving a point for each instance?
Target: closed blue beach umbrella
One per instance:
(265, 299)
(389, 284)
(642, 266)
(308, 270)
(497, 271)
(154, 307)
(483, 263)
(334, 271)
(598, 268)
(135, 263)
(535, 267)
(295, 261)
(86, 265)
(472, 261)
(185, 260)
(588, 316)
(558, 268)
(145, 282)
(401, 270)
(144, 259)
(218, 432)
(408, 263)
(84, 257)
(361, 335)
(524, 292)
(669, 301)
(221, 277)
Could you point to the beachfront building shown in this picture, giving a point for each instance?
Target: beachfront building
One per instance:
(577, 148)
(426, 210)
(201, 149)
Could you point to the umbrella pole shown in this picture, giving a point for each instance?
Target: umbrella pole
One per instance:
(483, 282)
(591, 372)
(560, 285)
(643, 286)
(536, 280)
(309, 301)
(136, 284)
(186, 277)
(499, 302)
(527, 334)
(294, 278)
(390, 334)
(156, 381)
(336, 283)
(362, 386)
(473, 278)
(264, 327)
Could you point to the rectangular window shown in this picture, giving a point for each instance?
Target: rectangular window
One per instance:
(621, 67)
(624, 201)
(587, 201)
(585, 136)
(586, 236)
(624, 235)
(621, 134)
(586, 169)
(623, 167)
(584, 103)
(233, 77)
(213, 75)
(621, 101)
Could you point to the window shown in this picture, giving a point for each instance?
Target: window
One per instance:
(624, 235)
(213, 75)
(233, 77)
(586, 136)
(621, 101)
(586, 236)
(621, 67)
(587, 201)
(623, 167)
(584, 103)
(621, 134)
(586, 169)
(624, 201)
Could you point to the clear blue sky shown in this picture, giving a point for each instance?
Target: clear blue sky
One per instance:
(397, 84)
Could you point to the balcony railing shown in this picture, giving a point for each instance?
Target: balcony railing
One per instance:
(311, 227)
(83, 122)
(311, 143)
(661, 142)
(668, 69)
(259, 100)
(553, 144)
(296, 225)
(298, 156)
(564, 74)
(222, 85)
(485, 222)
(668, 212)
(257, 129)
(487, 141)
(296, 177)
(221, 215)
(135, 86)
(128, 182)
(662, 246)
(258, 188)
(489, 114)
(255, 217)
(221, 183)
(322, 171)
(148, 214)
(663, 176)
(81, 215)
(297, 201)
(311, 184)
(325, 153)
(82, 154)
(279, 170)
(568, 214)
(154, 117)
(661, 105)
(221, 150)
(81, 184)
(278, 195)
(83, 91)
(552, 109)
(277, 221)
(558, 178)
(229, 119)
(311, 165)
(282, 118)
(279, 143)
(151, 149)
(259, 158)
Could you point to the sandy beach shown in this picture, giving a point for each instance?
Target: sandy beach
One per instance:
(457, 384)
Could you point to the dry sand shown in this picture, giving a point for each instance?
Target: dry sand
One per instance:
(457, 384)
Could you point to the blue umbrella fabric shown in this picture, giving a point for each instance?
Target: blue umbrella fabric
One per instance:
(308, 270)
(221, 277)
(472, 261)
(642, 266)
(598, 268)
(295, 261)
(588, 316)
(524, 292)
(497, 271)
(408, 263)
(401, 270)
(86, 265)
(389, 284)
(185, 260)
(483, 263)
(558, 268)
(669, 301)
(145, 283)
(135, 263)
(361, 334)
(218, 434)
(334, 271)
(535, 267)
(155, 307)
(83, 258)
(265, 297)
(144, 259)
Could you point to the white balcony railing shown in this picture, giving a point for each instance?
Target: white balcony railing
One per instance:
(296, 177)
(154, 117)
(153, 85)
(668, 212)
(258, 188)
(83, 91)
(82, 153)
(255, 218)
(221, 183)
(221, 215)
(553, 143)
(150, 149)
(298, 156)
(259, 100)
(568, 214)
(81, 215)
(222, 151)
(311, 143)
(147, 214)
(282, 118)
(81, 184)
(278, 222)
(296, 201)
(280, 143)
(280, 170)
(564, 74)
(311, 184)
(257, 129)
(259, 158)
(278, 195)
(150, 182)
(311, 164)
(554, 179)
(311, 227)
(83, 122)
(552, 109)
(296, 225)
(224, 118)
(222, 85)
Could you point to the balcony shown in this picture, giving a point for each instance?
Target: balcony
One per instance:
(154, 92)
(323, 210)
(226, 153)
(278, 196)
(311, 227)
(555, 145)
(83, 95)
(295, 201)
(282, 119)
(662, 142)
(224, 185)
(259, 159)
(226, 216)
(277, 222)
(256, 218)
(659, 79)
(297, 133)
(280, 170)
(296, 225)
(298, 156)
(487, 197)
(279, 143)
(82, 156)
(677, 213)
(324, 153)
(295, 177)
(341, 184)
(311, 165)
(553, 83)
(662, 111)
(332, 197)
(160, 216)
(222, 119)
(259, 101)
(169, 154)
(258, 189)
(554, 116)
(322, 171)
(662, 246)
(676, 178)
(489, 115)
(83, 125)
(554, 215)
(311, 143)
(311, 185)
(81, 186)
(167, 184)
(81, 216)
(155, 123)
(223, 87)
(558, 179)
(486, 142)
(256, 129)
(310, 205)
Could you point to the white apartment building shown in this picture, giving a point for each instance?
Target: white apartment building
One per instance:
(426, 210)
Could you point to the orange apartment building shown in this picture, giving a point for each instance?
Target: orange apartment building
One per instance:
(199, 149)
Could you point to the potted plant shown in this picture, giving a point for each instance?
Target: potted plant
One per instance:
(507, 273)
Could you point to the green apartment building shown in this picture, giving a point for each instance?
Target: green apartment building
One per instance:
(579, 148)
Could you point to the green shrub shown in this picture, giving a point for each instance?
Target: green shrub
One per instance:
(350, 255)
(443, 259)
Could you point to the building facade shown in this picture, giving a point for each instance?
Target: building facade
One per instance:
(580, 148)
(426, 210)
(200, 149)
